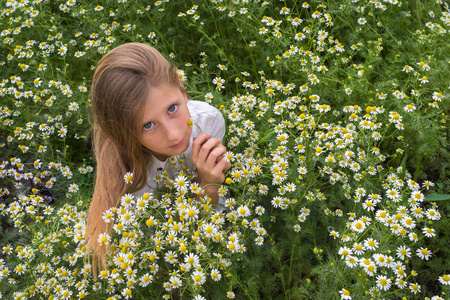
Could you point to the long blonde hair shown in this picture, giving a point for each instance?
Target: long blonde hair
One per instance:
(120, 87)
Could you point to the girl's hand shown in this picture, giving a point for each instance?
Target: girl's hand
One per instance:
(208, 156)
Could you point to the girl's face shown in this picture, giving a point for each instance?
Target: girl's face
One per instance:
(164, 128)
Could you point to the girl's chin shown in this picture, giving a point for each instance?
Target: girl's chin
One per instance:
(181, 149)
(184, 148)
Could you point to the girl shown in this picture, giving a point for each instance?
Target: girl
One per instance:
(140, 113)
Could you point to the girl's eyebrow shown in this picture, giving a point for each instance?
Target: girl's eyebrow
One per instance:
(171, 102)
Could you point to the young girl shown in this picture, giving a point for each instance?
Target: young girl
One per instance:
(141, 118)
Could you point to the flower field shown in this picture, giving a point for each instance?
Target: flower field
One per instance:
(337, 131)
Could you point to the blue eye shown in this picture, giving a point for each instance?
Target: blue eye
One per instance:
(173, 108)
(148, 126)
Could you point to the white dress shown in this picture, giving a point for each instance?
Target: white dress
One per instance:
(211, 121)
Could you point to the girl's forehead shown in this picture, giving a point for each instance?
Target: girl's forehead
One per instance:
(165, 87)
(159, 99)
(163, 94)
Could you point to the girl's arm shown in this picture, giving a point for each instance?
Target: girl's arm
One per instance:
(208, 155)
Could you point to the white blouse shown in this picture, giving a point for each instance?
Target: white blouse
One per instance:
(211, 121)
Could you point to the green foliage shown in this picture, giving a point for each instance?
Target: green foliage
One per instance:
(337, 130)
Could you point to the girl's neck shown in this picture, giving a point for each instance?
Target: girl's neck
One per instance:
(161, 157)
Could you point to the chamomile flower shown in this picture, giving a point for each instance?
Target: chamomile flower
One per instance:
(215, 274)
(401, 283)
(344, 252)
(437, 96)
(444, 279)
(409, 108)
(351, 261)
(414, 288)
(345, 294)
(358, 248)
(334, 234)
(208, 97)
(128, 177)
(358, 226)
(370, 244)
(368, 265)
(104, 239)
(423, 253)
(73, 188)
(417, 196)
(432, 214)
(127, 201)
(383, 283)
(403, 252)
(198, 277)
(429, 232)
(427, 184)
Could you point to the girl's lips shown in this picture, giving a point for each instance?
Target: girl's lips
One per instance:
(178, 145)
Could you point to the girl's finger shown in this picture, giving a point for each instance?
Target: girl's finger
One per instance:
(226, 167)
(197, 144)
(220, 157)
(207, 148)
(216, 153)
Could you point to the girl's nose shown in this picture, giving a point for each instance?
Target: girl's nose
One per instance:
(171, 131)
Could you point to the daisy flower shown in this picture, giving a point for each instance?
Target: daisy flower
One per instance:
(437, 96)
(383, 283)
(368, 265)
(128, 177)
(429, 232)
(413, 237)
(417, 196)
(175, 281)
(358, 226)
(345, 294)
(445, 279)
(215, 275)
(351, 261)
(409, 108)
(414, 288)
(73, 188)
(370, 244)
(401, 283)
(403, 252)
(127, 201)
(433, 214)
(427, 184)
(344, 252)
(104, 239)
(423, 253)
(359, 249)
(198, 277)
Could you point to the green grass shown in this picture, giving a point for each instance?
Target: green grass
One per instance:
(386, 63)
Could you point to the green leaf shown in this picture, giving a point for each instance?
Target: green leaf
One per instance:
(401, 15)
(437, 197)
(403, 165)
(279, 297)
(265, 218)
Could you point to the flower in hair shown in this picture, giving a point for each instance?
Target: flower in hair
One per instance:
(128, 177)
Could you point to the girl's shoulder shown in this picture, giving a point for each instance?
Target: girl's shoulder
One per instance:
(200, 107)
(207, 118)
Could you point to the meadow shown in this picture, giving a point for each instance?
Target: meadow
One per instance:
(337, 130)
